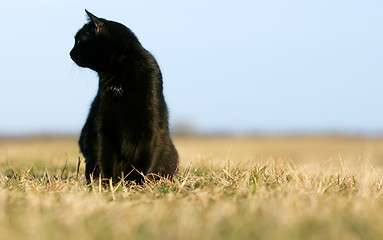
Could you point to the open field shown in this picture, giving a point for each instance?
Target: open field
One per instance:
(227, 188)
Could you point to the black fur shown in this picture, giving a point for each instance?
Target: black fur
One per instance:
(126, 133)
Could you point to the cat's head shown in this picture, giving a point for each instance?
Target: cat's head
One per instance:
(99, 43)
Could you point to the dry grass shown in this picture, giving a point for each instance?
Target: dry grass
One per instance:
(227, 188)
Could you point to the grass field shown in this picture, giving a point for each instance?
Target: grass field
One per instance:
(226, 188)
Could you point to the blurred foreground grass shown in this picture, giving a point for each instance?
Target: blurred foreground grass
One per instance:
(227, 188)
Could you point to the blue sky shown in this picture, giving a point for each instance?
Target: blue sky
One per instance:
(228, 66)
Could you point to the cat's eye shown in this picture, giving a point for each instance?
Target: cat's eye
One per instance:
(79, 41)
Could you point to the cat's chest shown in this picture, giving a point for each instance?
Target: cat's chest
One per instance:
(116, 91)
(120, 105)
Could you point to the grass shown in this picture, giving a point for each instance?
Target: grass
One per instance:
(227, 188)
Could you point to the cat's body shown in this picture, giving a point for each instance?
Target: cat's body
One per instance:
(126, 133)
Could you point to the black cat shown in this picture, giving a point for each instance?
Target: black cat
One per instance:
(126, 133)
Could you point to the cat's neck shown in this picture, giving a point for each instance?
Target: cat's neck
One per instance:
(133, 72)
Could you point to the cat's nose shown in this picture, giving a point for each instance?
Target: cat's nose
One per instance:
(72, 55)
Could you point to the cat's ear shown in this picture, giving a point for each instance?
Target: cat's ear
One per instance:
(98, 23)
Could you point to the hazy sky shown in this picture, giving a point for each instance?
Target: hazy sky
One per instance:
(238, 66)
